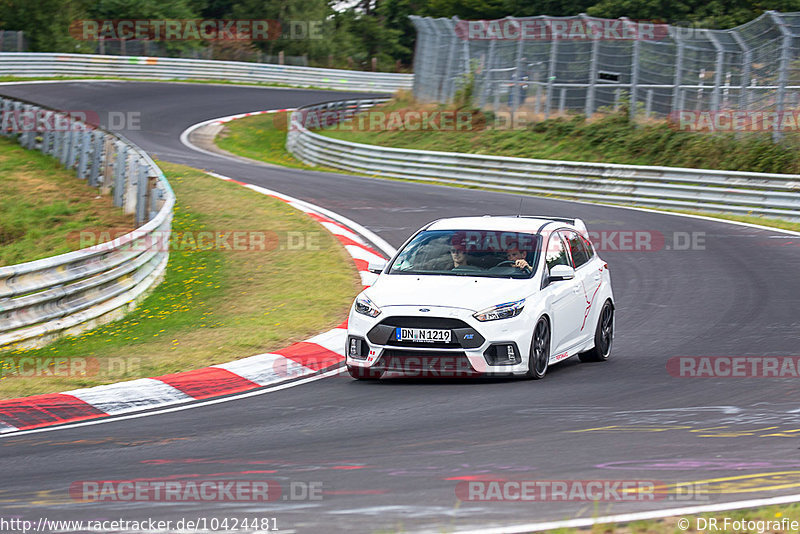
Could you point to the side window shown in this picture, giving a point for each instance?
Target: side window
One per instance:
(577, 248)
(556, 253)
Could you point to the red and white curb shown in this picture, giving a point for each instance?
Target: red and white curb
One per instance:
(317, 355)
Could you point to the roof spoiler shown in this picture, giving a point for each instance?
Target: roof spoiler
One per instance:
(574, 221)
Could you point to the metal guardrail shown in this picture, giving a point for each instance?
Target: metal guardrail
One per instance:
(772, 195)
(43, 299)
(52, 65)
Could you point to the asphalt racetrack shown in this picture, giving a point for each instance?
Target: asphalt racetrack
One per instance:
(390, 455)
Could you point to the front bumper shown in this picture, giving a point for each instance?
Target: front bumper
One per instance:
(491, 347)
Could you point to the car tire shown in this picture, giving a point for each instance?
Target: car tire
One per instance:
(539, 353)
(364, 373)
(603, 336)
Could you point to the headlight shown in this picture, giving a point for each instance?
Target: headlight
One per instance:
(364, 306)
(501, 311)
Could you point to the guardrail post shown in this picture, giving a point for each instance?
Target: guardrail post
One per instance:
(142, 183)
(72, 141)
(120, 170)
(28, 126)
(131, 185)
(108, 164)
(97, 157)
(58, 140)
(3, 117)
(83, 154)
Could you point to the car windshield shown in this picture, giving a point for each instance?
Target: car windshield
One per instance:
(487, 253)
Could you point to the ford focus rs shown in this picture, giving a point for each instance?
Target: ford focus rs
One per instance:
(481, 296)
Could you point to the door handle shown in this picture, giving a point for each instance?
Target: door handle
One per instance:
(597, 277)
(576, 288)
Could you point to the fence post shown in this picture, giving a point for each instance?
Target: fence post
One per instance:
(634, 94)
(487, 74)
(746, 65)
(715, 96)
(648, 105)
(678, 73)
(20, 41)
(433, 63)
(783, 72)
(516, 89)
(590, 91)
(551, 70)
(444, 88)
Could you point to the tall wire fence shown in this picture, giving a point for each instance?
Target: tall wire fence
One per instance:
(550, 65)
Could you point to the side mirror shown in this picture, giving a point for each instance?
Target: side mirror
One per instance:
(561, 272)
(376, 267)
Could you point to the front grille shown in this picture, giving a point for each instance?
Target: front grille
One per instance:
(431, 363)
(461, 334)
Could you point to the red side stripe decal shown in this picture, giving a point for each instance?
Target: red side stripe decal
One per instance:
(208, 382)
(44, 410)
(311, 355)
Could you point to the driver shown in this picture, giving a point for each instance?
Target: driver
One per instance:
(517, 256)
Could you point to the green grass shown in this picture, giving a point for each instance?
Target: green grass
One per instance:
(260, 137)
(214, 305)
(43, 207)
(608, 138)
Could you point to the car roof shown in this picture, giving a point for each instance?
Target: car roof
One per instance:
(524, 223)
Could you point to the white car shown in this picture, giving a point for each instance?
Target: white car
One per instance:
(481, 296)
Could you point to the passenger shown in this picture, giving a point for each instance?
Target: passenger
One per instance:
(458, 254)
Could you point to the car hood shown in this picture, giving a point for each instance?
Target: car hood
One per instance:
(471, 293)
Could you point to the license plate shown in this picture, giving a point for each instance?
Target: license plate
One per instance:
(422, 335)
